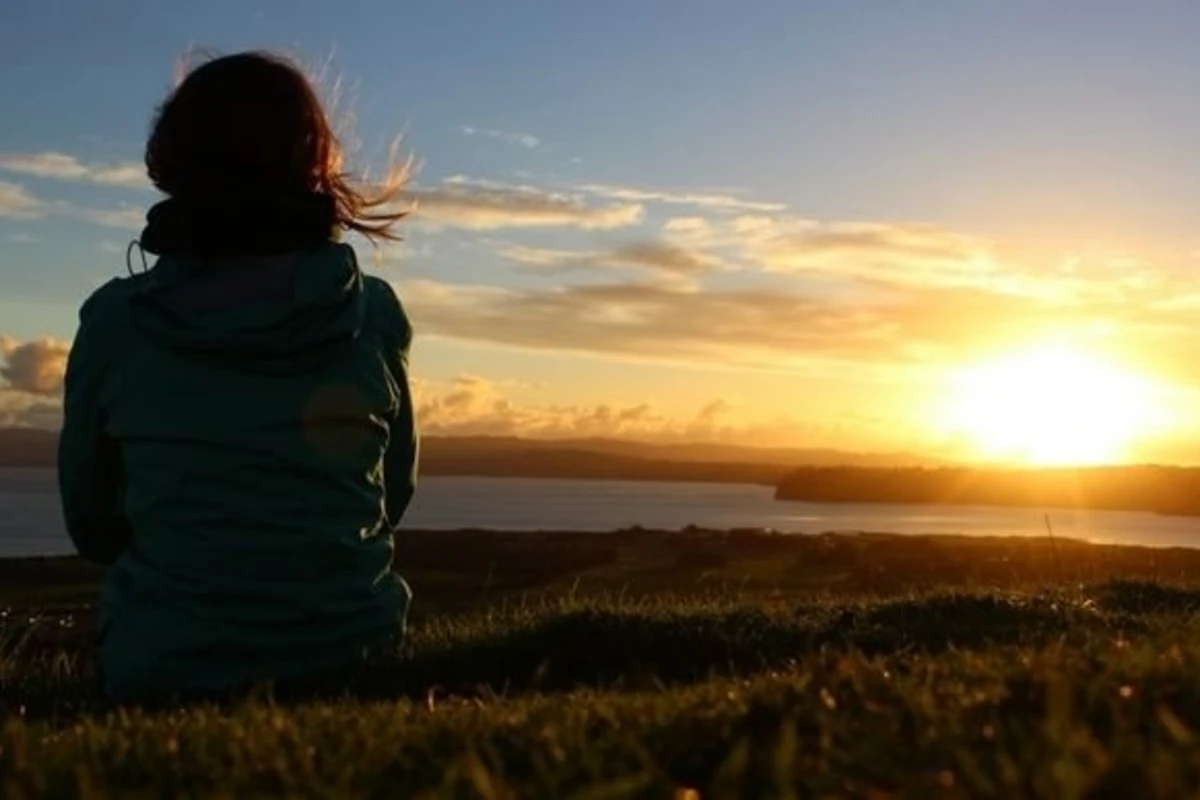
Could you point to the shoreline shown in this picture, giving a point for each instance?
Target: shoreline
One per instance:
(782, 495)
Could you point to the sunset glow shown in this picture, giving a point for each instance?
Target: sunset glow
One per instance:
(980, 258)
(1052, 405)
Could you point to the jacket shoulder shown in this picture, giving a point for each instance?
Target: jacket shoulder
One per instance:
(110, 301)
(106, 327)
(385, 311)
(103, 335)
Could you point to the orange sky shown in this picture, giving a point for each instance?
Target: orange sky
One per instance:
(811, 225)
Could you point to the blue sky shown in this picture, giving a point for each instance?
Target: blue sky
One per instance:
(616, 193)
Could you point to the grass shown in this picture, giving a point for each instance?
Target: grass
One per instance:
(668, 666)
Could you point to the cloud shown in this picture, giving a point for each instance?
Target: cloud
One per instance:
(866, 330)
(34, 367)
(474, 406)
(623, 196)
(915, 243)
(901, 253)
(666, 257)
(17, 203)
(654, 256)
(24, 410)
(65, 167)
(751, 327)
(543, 257)
(470, 405)
(720, 202)
(696, 230)
(479, 206)
(130, 219)
(32, 381)
(522, 139)
(865, 256)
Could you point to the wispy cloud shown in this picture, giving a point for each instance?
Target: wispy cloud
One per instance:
(772, 328)
(641, 320)
(130, 219)
(908, 255)
(713, 201)
(704, 200)
(457, 203)
(66, 167)
(889, 252)
(544, 257)
(665, 257)
(877, 295)
(511, 137)
(881, 271)
(18, 203)
(655, 256)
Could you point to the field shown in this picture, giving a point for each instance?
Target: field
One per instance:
(693, 664)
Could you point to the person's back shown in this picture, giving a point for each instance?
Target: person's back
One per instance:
(238, 438)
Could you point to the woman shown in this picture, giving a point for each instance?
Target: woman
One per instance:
(238, 442)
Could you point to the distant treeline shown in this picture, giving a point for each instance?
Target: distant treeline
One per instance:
(511, 458)
(589, 465)
(1163, 490)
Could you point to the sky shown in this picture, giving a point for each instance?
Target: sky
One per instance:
(774, 222)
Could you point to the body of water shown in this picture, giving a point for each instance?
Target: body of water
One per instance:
(31, 522)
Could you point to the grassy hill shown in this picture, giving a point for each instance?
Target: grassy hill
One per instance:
(672, 665)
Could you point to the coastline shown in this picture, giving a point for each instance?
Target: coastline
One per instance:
(1164, 492)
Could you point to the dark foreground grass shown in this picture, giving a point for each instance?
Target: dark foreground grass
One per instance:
(1092, 692)
(698, 669)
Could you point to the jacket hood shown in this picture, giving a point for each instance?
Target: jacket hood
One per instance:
(278, 311)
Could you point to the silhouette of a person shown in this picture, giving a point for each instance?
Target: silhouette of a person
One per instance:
(239, 441)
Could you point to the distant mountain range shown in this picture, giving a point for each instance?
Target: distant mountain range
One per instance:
(607, 459)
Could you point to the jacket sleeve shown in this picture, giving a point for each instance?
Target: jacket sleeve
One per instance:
(90, 471)
(401, 460)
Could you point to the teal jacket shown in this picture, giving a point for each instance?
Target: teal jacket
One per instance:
(238, 446)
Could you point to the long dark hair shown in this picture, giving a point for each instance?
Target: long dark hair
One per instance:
(254, 123)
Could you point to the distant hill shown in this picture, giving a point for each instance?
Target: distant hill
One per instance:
(607, 459)
(485, 447)
(27, 447)
(1157, 489)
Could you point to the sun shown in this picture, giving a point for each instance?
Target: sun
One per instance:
(1051, 405)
